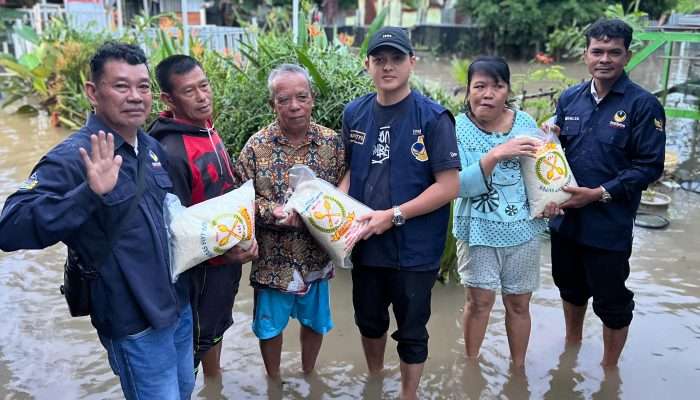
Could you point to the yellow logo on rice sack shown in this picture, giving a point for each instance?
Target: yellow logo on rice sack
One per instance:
(236, 226)
(418, 150)
(328, 215)
(550, 165)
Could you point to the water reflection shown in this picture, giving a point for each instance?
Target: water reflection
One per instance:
(212, 389)
(564, 376)
(516, 387)
(473, 380)
(610, 386)
(373, 387)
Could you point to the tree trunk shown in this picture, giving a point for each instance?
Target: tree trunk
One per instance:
(370, 11)
(330, 12)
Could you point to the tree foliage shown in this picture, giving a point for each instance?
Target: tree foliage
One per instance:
(525, 24)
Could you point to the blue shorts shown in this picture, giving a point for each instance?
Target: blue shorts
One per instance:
(273, 309)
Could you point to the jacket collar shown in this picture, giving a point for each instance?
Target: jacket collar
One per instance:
(619, 87)
(312, 134)
(95, 124)
(184, 121)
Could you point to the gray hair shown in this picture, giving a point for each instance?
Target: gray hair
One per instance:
(286, 69)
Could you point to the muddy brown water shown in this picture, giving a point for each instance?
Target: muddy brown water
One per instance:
(45, 354)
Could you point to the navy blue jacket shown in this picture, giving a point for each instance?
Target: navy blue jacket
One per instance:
(421, 240)
(619, 144)
(133, 290)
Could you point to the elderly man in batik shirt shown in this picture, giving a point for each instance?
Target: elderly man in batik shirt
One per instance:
(291, 274)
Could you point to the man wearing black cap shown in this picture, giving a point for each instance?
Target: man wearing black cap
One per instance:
(402, 162)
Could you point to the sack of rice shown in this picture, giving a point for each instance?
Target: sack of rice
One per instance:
(328, 213)
(546, 174)
(210, 228)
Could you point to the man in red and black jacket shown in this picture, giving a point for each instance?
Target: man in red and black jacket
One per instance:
(200, 169)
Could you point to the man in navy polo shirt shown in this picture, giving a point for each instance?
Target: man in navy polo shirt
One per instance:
(613, 134)
(402, 162)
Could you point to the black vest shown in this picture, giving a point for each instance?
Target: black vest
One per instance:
(421, 240)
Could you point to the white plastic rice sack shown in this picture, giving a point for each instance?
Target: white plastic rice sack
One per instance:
(328, 213)
(210, 228)
(546, 174)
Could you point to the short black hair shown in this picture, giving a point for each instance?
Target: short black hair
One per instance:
(115, 51)
(611, 29)
(492, 66)
(178, 64)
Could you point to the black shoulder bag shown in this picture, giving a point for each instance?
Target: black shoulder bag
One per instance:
(78, 275)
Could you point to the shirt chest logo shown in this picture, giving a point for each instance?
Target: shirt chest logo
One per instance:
(154, 157)
(418, 149)
(382, 148)
(618, 120)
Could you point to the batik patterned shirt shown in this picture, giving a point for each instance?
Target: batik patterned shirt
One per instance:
(288, 258)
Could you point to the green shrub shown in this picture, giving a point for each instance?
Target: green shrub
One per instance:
(242, 93)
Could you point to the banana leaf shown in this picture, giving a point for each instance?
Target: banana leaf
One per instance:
(305, 60)
(376, 24)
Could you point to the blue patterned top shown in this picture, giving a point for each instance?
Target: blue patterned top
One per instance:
(492, 211)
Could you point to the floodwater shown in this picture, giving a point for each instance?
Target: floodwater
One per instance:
(46, 354)
(437, 70)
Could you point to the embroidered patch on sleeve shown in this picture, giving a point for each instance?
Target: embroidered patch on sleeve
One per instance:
(29, 183)
(357, 137)
(418, 150)
(658, 125)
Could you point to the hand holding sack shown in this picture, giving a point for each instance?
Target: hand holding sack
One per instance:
(546, 174)
(210, 228)
(329, 214)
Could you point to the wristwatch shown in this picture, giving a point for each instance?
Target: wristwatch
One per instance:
(398, 218)
(605, 197)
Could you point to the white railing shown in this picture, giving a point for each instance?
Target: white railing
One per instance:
(41, 15)
(224, 39)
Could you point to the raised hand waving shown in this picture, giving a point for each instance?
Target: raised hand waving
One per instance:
(102, 166)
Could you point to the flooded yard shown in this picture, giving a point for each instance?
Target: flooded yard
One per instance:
(46, 354)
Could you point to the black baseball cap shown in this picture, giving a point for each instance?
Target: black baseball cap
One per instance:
(391, 36)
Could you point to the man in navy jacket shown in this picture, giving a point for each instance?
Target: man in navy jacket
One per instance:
(78, 192)
(613, 133)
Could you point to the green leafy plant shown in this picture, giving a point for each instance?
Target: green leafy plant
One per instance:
(459, 69)
(541, 107)
(523, 26)
(372, 29)
(567, 43)
(687, 6)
